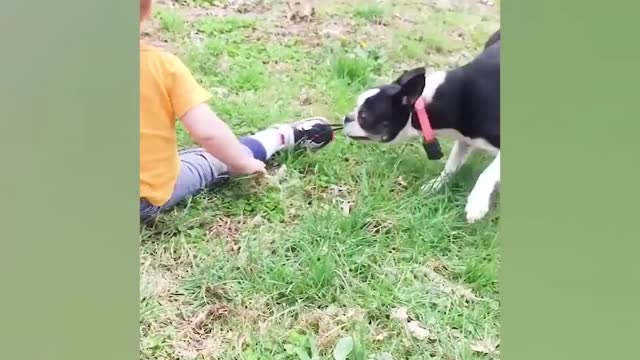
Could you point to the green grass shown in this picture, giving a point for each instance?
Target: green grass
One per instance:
(371, 13)
(341, 237)
(170, 22)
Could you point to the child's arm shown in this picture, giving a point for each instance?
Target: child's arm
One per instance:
(216, 138)
(189, 103)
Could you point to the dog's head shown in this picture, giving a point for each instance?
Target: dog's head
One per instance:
(383, 114)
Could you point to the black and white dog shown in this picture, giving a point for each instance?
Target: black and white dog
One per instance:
(462, 103)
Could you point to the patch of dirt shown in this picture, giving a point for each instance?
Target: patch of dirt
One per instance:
(152, 35)
(204, 333)
(309, 34)
(488, 347)
(191, 346)
(301, 10)
(227, 229)
(341, 196)
(258, 7)
(238, 8)
(194, 13)
(440, 284)
(276, 22)
(309, 29)
(201, 323)
(256, 314)
(463, 5)
(207, 333)
(156, 283)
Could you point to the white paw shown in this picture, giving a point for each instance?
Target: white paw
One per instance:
(477, 208)
(433, 185)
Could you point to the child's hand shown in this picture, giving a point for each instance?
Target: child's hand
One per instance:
(248, 167)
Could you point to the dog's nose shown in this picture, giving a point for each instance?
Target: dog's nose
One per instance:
(347, 119)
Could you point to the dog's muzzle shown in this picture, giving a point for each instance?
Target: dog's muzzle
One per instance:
(352, 129)
(348, 119)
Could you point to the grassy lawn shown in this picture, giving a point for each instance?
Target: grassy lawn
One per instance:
(339, 250)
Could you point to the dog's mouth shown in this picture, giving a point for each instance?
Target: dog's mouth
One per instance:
(356, 133)
(338, 127)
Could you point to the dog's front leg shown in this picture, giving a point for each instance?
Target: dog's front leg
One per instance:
(459, 155)
(480, 197)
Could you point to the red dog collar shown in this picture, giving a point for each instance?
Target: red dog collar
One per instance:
(421, 110)
(431, 144)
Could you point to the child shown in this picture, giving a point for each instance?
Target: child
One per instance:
(168, 92)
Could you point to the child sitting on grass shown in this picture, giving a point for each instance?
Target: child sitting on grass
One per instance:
(168, 92)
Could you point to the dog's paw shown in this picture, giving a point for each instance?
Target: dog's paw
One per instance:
(433, 185)
(477, 208)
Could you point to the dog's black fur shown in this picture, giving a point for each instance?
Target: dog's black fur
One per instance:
(467, 101)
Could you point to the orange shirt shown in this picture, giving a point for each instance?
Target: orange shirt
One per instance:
(167, 91)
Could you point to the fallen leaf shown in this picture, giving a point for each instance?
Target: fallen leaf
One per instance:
(345, 207)
(343, 348)
(305, 99)
(400, 314)
(380, 336)
(418, 331)
(383, 356)
(484, 346)
(282, 171)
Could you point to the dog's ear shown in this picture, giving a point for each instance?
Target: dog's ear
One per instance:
(392, 89)
(411, 85)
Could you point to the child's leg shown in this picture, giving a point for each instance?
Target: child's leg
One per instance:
(313, 133)
(199, 170)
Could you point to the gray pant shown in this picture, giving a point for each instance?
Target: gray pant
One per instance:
(198, 171)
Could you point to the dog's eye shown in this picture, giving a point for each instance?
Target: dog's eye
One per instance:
(365, 116)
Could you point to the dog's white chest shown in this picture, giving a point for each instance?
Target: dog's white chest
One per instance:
(476, 143)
